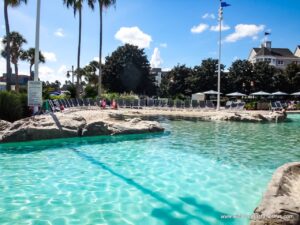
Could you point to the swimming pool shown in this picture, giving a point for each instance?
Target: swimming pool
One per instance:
(195, 173)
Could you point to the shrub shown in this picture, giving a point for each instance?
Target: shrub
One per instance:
(11, 107)
(90, 92)
(250, 106)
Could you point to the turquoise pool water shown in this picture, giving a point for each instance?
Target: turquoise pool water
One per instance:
(193, 174)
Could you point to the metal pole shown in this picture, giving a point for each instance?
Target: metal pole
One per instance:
(219, 63)
(37, 46)
(72, 74)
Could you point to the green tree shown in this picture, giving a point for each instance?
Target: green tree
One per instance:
(77, 7)
(11, 3)
(29, 57)
(128, 69)
(241, 76)
(174, 83)
(292, 73)
(16, 42)
(90, 73)
(263, 75)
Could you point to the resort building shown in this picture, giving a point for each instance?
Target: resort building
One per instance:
(158, 74)
(23, 80)
(297, 51)
(278, 57)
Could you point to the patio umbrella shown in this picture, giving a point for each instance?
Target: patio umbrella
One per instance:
(211, 92)
(236, 94)
(260, 93)
(279, 93)
(296, 93)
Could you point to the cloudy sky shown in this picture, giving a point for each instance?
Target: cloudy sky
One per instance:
(171, 31)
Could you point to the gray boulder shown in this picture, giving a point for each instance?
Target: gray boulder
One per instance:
(281, 202)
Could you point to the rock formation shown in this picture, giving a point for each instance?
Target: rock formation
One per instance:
(281, 202)
(64, 125)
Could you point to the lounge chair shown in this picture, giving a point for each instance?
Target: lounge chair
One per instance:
(92, 102)
(120, 103)
(279, 105)
(142, 103)
(74, 102)
(150, 102)
(127, 103)
(240, 105)
(178, 104)
(135, 104)
(195, 104)
(210, 104)
(202, 104)
(187, 104)
(157, 103)
(80, 102)
(170, 103)
(228, 105)
(85, 102)
(274, 106)
(163, 103)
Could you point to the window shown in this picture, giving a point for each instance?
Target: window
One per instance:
(280, 62)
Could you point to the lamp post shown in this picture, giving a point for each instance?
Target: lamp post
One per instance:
(71, 71)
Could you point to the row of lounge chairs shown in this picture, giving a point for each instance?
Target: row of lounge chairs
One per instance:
(153, 103)
(235, 105)
(55, 105)
(277, 105)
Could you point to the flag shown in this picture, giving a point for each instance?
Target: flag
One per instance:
(224, 4)
(267, 33)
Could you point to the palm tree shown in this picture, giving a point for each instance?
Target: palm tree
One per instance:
(90, 73)
(29, 57)
(77, 7)
(16, 42)
(102, 4)
(7, 3)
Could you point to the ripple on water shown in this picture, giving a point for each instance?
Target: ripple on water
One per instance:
(195, 175)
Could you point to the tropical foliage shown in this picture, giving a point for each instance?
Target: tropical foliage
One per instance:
(128, 69)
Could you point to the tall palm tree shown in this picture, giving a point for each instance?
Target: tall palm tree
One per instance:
(16, 42)
(7, 3)
(102, 4)
(29, 57)
(77, 7)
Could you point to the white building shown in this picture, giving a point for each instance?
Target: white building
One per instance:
(278, 57)
(158, 74)
(297, 51)
(2, 86)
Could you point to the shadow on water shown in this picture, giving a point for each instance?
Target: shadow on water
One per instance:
(202, 211)
(54, 144)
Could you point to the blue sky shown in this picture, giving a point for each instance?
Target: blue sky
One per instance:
(171, 32)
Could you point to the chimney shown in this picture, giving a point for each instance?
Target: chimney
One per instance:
(268, 45)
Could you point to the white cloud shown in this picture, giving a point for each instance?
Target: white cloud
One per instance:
(49, 74)
(59, 32)
(163, 45)
(166, 69)
(62, 69)
(223, 27)
(208, 16)
(49, 56)
(156, 60)
(96, 58)
(2, 66)
(243, 31)
(199, 29)
(134, 36)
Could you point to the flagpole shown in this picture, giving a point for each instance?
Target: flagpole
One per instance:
(219, 62)
(37, 46)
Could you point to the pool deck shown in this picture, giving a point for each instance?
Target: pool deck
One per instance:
(204, 114)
